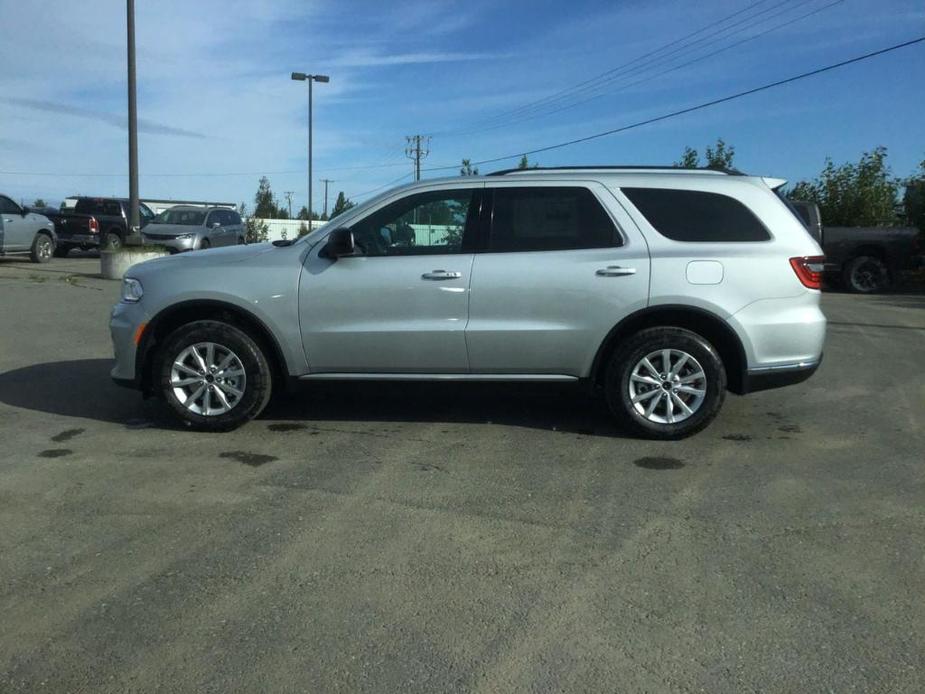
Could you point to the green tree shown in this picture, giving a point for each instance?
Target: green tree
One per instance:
(720, 156)
(255, 229)
(303, 228)
(467, 169)
(914, 199)
(690, 159)
(524, 163)
(303, 214)
(264, 204)
(342, 204)
(850, 195)
(39, 203)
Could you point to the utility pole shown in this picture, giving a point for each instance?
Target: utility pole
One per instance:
(134, 221)
(326, 181)
(288, 195)
(417, 149)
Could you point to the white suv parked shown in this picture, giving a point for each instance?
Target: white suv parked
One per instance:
(664, 287)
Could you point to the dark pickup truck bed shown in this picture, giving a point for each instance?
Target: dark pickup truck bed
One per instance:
(94, 222)
(863, 259)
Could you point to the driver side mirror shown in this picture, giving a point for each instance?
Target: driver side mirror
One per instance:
(340, 243)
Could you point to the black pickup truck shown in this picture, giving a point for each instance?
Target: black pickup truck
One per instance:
(863, 259)
(95, 222)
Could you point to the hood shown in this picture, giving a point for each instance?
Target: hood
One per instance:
(172, 229)
(201, 259)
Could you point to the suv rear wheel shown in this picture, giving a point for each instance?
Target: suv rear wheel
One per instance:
(214, 375)
(665, 383)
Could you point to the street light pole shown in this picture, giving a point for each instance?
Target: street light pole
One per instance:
(303, 77)
(134, 221)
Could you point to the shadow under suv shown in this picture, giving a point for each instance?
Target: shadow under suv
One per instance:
(664, 287)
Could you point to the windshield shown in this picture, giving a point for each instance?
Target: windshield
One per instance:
(184, 217)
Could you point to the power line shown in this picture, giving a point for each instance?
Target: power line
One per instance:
(697, 107)
(367, 193)
(649, 78)
(627, 68)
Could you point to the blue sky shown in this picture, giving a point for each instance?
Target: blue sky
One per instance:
(218, 108)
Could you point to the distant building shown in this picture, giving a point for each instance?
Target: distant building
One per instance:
(158, 206)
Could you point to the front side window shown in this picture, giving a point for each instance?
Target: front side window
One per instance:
(694, 215)
(422, 224)
(7, 206)
(549, 219)
(145, 212)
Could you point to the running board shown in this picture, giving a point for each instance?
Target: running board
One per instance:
(435, 377)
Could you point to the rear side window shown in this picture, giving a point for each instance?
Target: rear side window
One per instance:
(692, 215)
(89, 207)
(549, 219)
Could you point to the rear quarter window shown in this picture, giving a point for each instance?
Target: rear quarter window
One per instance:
(693, 215)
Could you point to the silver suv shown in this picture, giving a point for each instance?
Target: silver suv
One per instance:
(188, 228)
(663, 287)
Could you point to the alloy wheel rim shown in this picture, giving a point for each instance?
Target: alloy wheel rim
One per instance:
(45, 248)
(208, 379)
(667, 386)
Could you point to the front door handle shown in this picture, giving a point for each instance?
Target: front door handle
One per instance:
(615, 271)
(441, 275)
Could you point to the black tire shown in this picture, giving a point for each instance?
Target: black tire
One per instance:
(242, 241)
(258, 378)
(112, 241)
(43, 248)
(205, 244)
(625, 358)
(62, 251)
(866, 274)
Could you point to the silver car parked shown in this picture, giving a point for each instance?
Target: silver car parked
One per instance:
(25, 233)
(188, 228)
(663, 288)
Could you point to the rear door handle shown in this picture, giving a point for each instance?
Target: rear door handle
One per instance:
(441, 275)
(615, 271)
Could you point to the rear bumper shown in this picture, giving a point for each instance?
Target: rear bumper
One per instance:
(778, 376)
(82, 240)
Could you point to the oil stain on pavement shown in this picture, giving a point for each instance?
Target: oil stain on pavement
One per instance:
(66, 435)
(55, 453)
(658, 463)
(252, 459)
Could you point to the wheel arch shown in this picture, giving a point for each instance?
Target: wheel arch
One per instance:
(705, 323)
(172, 317)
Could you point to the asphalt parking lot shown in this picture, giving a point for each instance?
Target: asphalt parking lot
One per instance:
(456, 538)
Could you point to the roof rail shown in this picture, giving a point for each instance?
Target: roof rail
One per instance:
(646, 167)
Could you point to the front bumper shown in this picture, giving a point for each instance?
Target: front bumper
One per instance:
(174, 245)
(779, 376)
(124, 329)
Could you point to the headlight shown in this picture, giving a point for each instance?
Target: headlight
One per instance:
(131, 290)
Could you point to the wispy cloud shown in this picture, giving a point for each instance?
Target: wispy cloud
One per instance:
(118, 121)
(364, 59)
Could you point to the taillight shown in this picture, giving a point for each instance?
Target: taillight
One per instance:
(94, 226)
(809, 270)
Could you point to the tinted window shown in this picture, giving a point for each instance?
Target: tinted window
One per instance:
(184, 217)
(691, 215)
(549, 219)
(7, 206)
(426, 223)
(234, 218)
(87, 206)
(112, 208)
(145, 212)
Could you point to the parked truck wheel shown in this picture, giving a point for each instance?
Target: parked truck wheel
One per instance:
(112, 241)
(866, 274)
(43, 248)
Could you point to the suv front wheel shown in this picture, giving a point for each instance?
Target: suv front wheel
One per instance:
(665, 383)
(214, 375)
